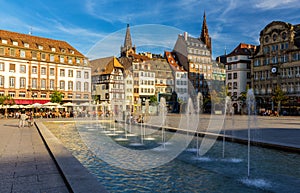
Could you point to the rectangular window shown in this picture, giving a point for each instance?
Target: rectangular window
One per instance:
(12, 82)
(34, 83)
(86, 86)
(51, 58)
(70, 85)
(70, 96)
(12, 52)
(34, 70)
(234, 75)
(22, 82)
(77, 60)
(12, 94)
(86, 75)
(22, 94)
(1, 81)
(62, 59)
(12, 67)
(43, 83)
(52, 72)
(78, 86)
(235, 85)
(1, 51)
(34, 55)
(51, 85)
(85, 96)
(2, 66)
(229, 76)
(62, 85)
(70, 73)
(43, 95)
(43, 56)
(62, 72)
(70, 61)
(78, 74)
(22, 54)
(78, 96)
(43, 71)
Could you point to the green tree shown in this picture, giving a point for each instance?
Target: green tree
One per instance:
(56, 97)
(278, 97)
(153, 100)
(6, 100)
(96, 98)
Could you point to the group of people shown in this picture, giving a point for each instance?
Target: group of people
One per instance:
(24, 117)
(270, 113)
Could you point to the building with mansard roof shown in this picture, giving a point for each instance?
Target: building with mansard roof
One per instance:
(276, 63)
(238, 72)
(194, 54)
(32, 68)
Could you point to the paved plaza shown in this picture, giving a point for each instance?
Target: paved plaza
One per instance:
(27, 166)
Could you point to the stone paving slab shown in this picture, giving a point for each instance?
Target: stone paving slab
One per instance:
(26, 165)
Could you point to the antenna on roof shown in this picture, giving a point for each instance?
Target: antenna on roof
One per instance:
(30, 31)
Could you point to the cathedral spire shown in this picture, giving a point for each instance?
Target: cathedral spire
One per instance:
(127, 47)
(204, 37)
(127, 41)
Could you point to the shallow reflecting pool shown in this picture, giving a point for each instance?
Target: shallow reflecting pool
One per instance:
(271, 170)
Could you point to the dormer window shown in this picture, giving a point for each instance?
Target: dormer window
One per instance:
(4, 41)
(26, 45)
(53, 49)
(63, 50)
(72, 51)
(40, 47)
(15, 43)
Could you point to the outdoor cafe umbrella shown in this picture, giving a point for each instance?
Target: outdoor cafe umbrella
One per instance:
(68, 104)
(36, 105)
(50, 104)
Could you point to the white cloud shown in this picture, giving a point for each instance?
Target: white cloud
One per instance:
(276, 4)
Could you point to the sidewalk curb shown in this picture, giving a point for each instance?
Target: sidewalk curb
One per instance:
(76, 176)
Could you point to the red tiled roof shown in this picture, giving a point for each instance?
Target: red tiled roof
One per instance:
(35, 41)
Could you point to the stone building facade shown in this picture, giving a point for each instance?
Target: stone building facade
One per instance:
(277, 63)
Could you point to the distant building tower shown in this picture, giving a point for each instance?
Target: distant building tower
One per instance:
(204, 37)
(127, 48)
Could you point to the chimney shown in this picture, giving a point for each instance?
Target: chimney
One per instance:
(185, 35)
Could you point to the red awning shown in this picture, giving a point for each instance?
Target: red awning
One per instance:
(30, 101)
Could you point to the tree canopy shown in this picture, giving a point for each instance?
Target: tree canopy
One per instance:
(56, 97)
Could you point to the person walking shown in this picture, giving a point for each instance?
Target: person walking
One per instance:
(22, 119)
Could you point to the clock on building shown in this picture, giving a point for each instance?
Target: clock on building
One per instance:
(274, 69)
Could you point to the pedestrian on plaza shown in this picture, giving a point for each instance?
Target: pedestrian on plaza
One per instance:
(22, 119)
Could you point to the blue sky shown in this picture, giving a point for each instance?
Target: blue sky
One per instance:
(97, 27)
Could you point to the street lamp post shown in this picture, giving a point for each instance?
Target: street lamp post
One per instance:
(33, 96)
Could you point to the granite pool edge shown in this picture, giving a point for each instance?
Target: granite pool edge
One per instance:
(77, 177)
